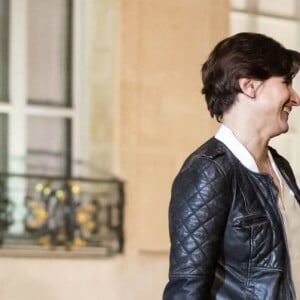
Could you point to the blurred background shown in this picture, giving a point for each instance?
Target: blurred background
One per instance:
(100, 102)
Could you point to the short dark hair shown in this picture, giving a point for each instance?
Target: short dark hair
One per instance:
(243, 55)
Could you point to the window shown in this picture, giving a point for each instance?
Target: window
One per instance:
(41, 126)
(39, 109)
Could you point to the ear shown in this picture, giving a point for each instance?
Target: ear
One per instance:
(249, 86)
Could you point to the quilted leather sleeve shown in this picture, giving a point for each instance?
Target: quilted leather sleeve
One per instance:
(200, 202)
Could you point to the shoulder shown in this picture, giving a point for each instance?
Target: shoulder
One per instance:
(212, 153)
(203, 182)
(210, 165)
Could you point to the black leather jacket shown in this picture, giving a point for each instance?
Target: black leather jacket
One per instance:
(226, 230)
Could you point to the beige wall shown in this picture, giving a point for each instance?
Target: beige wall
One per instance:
(148, 94)
(162, 114)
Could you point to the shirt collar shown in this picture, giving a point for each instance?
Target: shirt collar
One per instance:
(226, 136)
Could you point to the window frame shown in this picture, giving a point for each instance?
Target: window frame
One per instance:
(17, 108)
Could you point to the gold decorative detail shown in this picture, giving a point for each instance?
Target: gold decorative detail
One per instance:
(61, 195)
(59, 217)
(78, 242)
(44, 240)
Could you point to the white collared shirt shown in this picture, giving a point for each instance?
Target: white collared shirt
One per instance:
(226, 136)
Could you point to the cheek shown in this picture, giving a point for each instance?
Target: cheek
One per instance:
(279, 98)
(283, 93)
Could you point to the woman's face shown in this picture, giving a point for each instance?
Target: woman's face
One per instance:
(277, 98)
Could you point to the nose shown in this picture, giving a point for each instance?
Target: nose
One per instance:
(294, 97)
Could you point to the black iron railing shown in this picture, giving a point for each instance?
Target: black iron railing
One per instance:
(63, 214)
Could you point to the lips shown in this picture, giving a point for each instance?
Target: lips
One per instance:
(287, 109)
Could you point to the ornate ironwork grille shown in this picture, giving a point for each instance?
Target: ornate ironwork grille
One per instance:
(67, 215)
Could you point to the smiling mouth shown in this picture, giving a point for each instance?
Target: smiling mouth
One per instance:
(287, 109)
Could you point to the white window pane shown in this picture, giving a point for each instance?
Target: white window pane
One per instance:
(239, 4)
(3, 49)
(48, 47)
(278, 7)
(240, 22)
(286, 8)
(47, 145)
(285, 31)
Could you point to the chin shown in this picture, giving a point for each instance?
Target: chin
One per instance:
(285, 129)
(282, 130)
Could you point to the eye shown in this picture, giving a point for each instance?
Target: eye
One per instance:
(287, 81)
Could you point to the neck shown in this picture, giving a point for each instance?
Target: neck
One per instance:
(253, 140)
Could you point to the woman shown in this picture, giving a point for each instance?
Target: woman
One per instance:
(234, 209)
